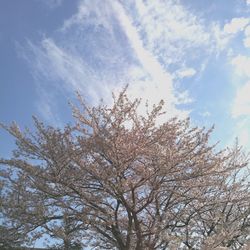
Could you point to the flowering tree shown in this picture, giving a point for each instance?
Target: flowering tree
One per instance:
(118, 180)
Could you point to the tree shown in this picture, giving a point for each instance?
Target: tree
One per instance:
(119, 180)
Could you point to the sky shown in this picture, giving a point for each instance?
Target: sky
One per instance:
(192, 54)
(195, 55)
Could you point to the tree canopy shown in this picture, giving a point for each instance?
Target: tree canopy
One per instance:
(118, 180)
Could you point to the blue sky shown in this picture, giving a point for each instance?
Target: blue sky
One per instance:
(195, 55)
(192, 54)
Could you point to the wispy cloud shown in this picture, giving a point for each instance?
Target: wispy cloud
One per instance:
(241, 104)
(90, 12)
(57, 70)
(60, 69)
(185, 72)
(167, 30)
(205, 114)
(240, 109)
(246, 40)
(242, 65)
(145, 43)
(47, 107)
(236, 25)
(224, 34)
(243, 132)
(99, 50)
(160, 84)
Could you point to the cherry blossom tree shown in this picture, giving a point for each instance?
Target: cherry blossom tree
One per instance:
(119, 180)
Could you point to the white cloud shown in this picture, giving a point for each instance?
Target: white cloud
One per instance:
(91, 57)
(186, 72)
(236, 25)
(242, 132)
(242, 65)
(90, 12)
(248, 2)
(59, 72)
(222, 36)
(241, 103)
(247, 30)
(101, 49)
(244, 137)
(168, 29)
(55, 64)
(221, 40)
(47, 107)
(205, 114)
(160, 84)
(240, 108)
(246, 40)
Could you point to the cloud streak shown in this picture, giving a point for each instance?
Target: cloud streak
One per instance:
(241, 64)
(241, 104)
(149, 44)
(160, 84)
(168, 30)
(236, 25)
